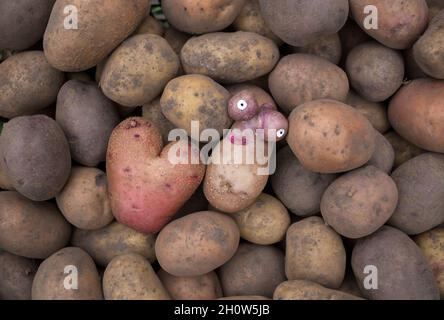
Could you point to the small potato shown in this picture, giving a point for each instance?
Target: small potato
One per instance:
(153, 113)
(115, 239)
(151, 25)
(307, 290)
(176, 39)
(230, 57)
(138, 70)
(404, 150)
(359, 202)
(329, 137)
(196, 98)
(262, 97)
(265, 222)
(431, 244)
(328, 47)
(69, 274)
(31, 229)
(384, 156)
(87, 117)
(193, 16)
(204, 287)
(28, 84)
(253, 271)
(420, 183)
(300, 78)
(351, 36)
(299, 189)
(402, 270)
(84, 199)
(197, 243)
(375, 72)
(35, 156)
(16, 276)
(400, 23)
(315, 252)
(375, 112)
(131, 277)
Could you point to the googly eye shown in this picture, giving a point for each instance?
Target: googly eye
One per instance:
(280, 133)
(242, 105)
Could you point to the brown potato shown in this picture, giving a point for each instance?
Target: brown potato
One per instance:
(435, 6)
(375, 72)
(153, 113)
(204, 287)
(328, 47)
(420, 183)
(197, 243)
(176, 38)
(102, 26)
(113, 240)
(230, 57)
(193, 16)
(138, 70)
(328, 136)
(384, 156)
(28, 84)
(150, 25)
(253, 271)
(404, 150)
(300, 78)
(315, 252)
(402, 270)
(307, 290)
(131, 277)
(69, 274)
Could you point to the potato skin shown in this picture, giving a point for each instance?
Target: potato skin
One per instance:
(308, 290)
(138, 70)
(300, 22)
(359, 202)
(230, 57)
(104, 24)
(375, 72)
(197, 243)
(204, 287)
(403, 272)
(404, 150)
(131, 277)
(50, 279)
(384, 156)
(16, 275)
(315, 252)
(420, 182)
(329, 137)
(253, 270)
(328, 47)
(261, 96)
(150, 25)
(87, 117)
(400, 23)
(28, 84)
(417, 113)
(199, 17)
(300, 78)
(176, 38)
(196, 98)
(35, 156)
(153, 113)
(115, 239)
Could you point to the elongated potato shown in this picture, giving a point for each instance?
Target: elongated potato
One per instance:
(308, 290)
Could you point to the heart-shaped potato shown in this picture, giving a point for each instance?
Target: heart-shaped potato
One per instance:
(145, 187)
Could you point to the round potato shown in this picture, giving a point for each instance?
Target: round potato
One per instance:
(87, 117)
(315, 252)
(131, 277)
(176, 38)
(28, 84)
(328, 47)
(308, 290)
(420, 183)
(299, 189)
(204, 287)
(153, 113)
(262, 97)
(404, 150)
(402, 270)
(69, 274)
(253, 270)
(359, 202)
(300, 78)
(31, 229)
(113, 240)
(193, 16)
(150, 25)
(230, 57)
(35, 156)
(197, 243)
(300, 22)
(102, 25)
(196, 98)
(328, 136)
(384, 156)
(138, 70)
(375, 72)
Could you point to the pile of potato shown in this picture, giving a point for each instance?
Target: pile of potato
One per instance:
(93, 208)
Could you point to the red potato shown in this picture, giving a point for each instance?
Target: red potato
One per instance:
(146, 189)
